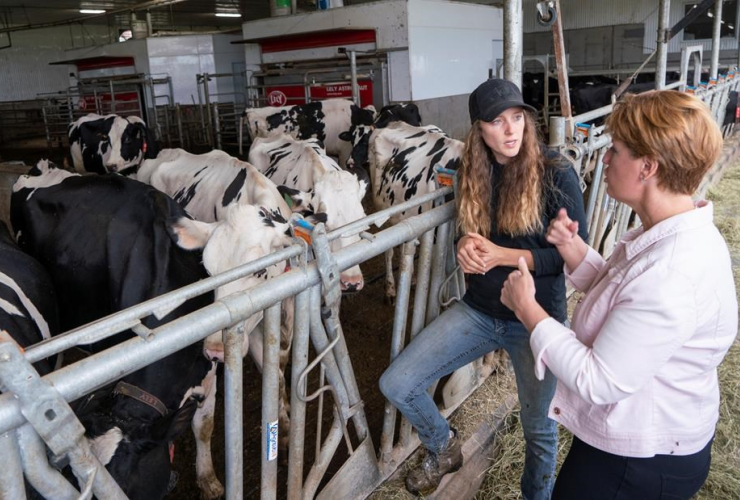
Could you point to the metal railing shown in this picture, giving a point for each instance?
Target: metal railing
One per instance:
(309, 281)
(585, 144)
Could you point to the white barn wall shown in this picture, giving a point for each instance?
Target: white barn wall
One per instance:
(226, 54)
(450, 46)
(25, 65)
(388, 18)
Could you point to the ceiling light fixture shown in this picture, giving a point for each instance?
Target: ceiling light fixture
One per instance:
(228, 14)
(92, 11)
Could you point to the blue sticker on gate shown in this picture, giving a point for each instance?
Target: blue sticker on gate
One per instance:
(271, 434)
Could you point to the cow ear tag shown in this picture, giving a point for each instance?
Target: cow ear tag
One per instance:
(302, 229)
(288, 200)
(445, 176)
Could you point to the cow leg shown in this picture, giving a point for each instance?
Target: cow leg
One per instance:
(202, 425)
(390, 282)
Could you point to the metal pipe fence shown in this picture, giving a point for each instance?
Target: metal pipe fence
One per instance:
(313, 281)
(584, 141)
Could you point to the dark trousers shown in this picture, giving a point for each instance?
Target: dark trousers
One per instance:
(589, 473)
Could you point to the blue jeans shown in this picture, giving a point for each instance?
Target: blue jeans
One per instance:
(457, 337)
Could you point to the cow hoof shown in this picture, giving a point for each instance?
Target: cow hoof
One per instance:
(210, 488)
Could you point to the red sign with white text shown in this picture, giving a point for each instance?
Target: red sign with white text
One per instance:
(290, 95)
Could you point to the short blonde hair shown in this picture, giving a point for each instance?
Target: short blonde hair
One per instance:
(673, 128)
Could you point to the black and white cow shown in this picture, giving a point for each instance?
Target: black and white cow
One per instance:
(207, 186)
(359, 136)
(402, 160)
(110, 143)
(315, 183)
(406, 112)
(109, 243)
(28, 308)
(322, 120)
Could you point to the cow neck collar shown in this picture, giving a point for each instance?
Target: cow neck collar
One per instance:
(141, 396)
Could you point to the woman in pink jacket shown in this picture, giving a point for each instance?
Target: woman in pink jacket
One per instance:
(637, 370)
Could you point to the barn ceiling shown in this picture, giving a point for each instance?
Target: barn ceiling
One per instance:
(165, 13)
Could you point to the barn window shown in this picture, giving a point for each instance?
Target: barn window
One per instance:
(701, 27)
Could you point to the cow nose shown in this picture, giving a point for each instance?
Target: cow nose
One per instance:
(352, 287)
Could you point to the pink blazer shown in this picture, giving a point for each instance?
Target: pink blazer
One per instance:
(637, 374)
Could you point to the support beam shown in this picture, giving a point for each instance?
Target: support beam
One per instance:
(562, 65)
(513, 41)
(716, 29)
(662, 62)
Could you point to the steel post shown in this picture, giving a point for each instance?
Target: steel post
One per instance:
(11, 472)
(513, 41)
(112, 98)
(233, 339)
(716, 30)
(217, 125)
(297, 405)
(270, 402)
(437, 272)
(595, 213)
(421, 295)
(46, 480)
(353, 72)
(562, 64)
(399, 335)
(596, 182)
(321, 342)
(207, 105)
(557, 132)
(662, 51)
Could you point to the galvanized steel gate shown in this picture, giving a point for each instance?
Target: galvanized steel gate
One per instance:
(37, 411)
(586, 144)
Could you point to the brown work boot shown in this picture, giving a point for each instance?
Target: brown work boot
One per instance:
(425, 478)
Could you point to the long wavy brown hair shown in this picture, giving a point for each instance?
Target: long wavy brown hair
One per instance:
(520, 202)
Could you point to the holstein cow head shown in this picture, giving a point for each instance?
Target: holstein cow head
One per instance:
(359, 134)
(338, 194)
(132, 448)
(111, 143)
(246, 234)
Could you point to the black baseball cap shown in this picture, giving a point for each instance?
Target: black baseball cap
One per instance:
(492, 98)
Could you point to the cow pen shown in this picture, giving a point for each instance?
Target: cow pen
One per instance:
(323, 380)
(42, 401)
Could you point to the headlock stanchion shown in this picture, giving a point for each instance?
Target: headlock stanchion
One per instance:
(585, 144)
(53, 419)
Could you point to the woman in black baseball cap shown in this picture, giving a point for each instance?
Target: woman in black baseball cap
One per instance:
(509, 188)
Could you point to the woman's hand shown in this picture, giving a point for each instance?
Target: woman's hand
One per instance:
(518, 295)
(563, 233)
(468, 255)
(477, 254)
(518, 291)
(562, 230)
